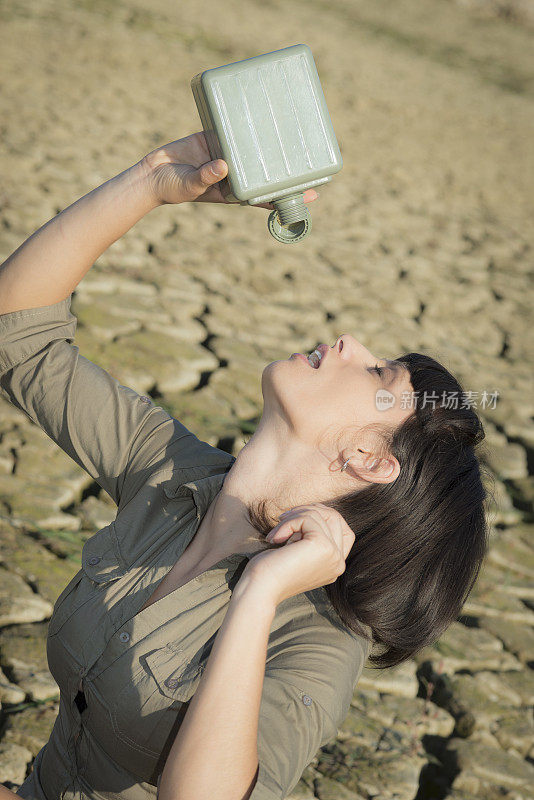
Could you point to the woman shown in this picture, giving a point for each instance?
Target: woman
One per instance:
(210, 644)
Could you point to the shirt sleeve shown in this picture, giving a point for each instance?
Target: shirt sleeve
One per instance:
(306, 695)
(293, 726)
(110, 430)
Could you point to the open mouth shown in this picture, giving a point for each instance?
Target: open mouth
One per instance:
(316, 358)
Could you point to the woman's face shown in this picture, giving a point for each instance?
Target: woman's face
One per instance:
(352, 387)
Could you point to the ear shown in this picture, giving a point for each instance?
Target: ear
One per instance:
(369, 466)
(381, 470)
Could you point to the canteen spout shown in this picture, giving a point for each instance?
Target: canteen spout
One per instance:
(291, 220)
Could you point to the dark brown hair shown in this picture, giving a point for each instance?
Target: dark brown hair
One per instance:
(420, 540)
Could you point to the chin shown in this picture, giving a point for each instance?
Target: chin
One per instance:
(269, 378)
(276, 376)
(282, 388)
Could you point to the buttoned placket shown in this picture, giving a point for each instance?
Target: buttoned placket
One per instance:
(140, 626)
(202, 493)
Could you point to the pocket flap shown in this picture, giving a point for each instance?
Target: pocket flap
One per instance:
(176, 676)
(101, 558)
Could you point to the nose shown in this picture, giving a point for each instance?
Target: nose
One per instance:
(351, 347)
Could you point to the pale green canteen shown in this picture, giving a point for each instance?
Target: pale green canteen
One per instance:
(267, 117)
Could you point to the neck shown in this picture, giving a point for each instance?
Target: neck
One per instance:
(272, 466)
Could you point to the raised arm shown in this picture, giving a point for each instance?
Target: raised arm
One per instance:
(49, 265)
(110, 430)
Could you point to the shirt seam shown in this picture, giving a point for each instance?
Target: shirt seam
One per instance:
(137, 432)
(39, 341)
(152, 473)
(27, 312)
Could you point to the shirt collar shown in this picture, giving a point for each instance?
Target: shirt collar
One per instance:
(201, 489)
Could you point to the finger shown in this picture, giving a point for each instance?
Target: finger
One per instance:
(293, 509)
(328, 520)
(284, 529)
(343, 533)
(321, 508)
(295, 537)
(301, 514)
(212, 195)
(349, 537)
(313, 523)
(205, 176)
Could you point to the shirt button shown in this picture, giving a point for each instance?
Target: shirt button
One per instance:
(94, 560)
(145, 399)
(306, 699)
(124, 637)
(172, 683)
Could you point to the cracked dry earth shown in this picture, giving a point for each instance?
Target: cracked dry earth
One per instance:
(422, 242)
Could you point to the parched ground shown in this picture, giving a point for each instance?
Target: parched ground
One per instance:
(422, 242)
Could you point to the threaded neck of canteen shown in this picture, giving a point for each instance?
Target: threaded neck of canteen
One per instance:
(291, 209)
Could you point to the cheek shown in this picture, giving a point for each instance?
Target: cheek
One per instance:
(356, 404)
(325, 410)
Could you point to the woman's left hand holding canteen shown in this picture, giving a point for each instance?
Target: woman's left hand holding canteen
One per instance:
(316, 542)
(183, 171)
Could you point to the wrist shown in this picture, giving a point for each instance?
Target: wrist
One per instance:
(250, 591)
(142, 181)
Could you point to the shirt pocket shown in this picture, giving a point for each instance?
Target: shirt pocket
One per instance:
(147, 712)
(101, 563)
(176, 676)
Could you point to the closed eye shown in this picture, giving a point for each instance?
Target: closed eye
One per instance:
(379, 370)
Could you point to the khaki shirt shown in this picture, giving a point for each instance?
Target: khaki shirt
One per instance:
(139, 669)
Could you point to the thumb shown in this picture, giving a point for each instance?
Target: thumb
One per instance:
(206, 175)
